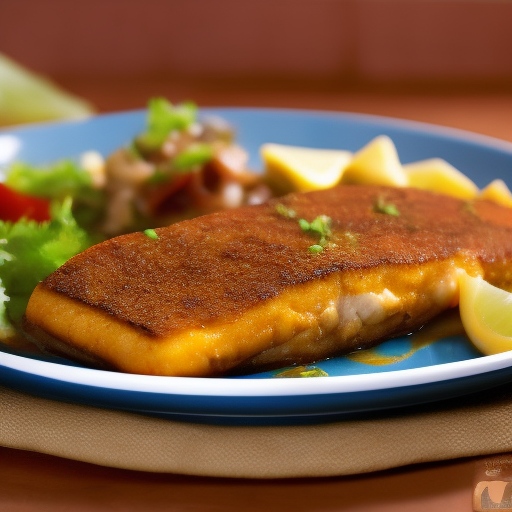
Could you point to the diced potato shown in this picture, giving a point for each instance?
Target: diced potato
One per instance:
(377, 163)
(498, 192)
(298, 169)
(438, 175)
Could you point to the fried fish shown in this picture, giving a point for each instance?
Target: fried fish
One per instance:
(253, 288)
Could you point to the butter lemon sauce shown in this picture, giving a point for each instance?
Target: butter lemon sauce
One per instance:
(444, 326)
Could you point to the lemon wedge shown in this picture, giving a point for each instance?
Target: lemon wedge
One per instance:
(298, 169)
(498, 192)
(486, 314)
(27, 97)
(438, 175)
(377, 163)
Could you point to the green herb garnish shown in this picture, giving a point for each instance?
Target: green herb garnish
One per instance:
(62, 179)
(194, 155)
(315, 248)
(163, 118)
(285, 211)
(388, 208)
(58, 181)
(151, 233)
(304, 224)
(301, 372)
(314, 372)
(158, 177)
(320, 227)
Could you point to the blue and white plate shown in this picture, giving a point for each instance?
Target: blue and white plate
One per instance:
(401, 372)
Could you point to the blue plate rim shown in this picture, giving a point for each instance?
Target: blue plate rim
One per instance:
(446, 131)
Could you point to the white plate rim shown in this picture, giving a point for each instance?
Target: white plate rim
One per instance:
(218, 386)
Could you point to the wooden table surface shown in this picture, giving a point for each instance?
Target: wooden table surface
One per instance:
(31, 482)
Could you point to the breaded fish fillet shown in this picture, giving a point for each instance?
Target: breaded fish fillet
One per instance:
(240, 290)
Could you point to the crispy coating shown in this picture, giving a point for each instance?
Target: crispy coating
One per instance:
(216, 267)
(240, 290)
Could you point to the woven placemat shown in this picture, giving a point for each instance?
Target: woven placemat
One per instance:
(478, 424)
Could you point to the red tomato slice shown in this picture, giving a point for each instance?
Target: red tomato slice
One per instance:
(14, 206)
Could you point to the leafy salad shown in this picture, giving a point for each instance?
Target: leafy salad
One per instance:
(30, 251)
(178, 168)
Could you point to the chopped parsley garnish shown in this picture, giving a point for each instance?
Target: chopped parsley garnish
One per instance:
(315, 248)
(388, 208)
(285, 211)
(302, 371)
(320, 227)
(151, 233)
(304, 224)
(314, 372)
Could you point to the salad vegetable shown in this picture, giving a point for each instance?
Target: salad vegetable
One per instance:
(196, 154)
(14, 206)
(164, 118)
(57, 181)
(178, 167)
(381, 206)
(30, 251)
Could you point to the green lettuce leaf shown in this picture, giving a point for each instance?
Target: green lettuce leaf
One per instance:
(58, 181)
(163, 118)
(29, 252)
(6, 329)
(62, 179)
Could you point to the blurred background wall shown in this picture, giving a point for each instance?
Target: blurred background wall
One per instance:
(261, 52)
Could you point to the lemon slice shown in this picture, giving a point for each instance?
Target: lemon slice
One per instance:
(27, 97)
(486, 314)
(498, 192)
(438, 175)
(377, 163)
(298, 169)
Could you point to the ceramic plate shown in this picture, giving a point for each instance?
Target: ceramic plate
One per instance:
(432, 365)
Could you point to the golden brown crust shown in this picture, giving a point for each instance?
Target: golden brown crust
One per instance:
(307, 322)
(215, 268)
